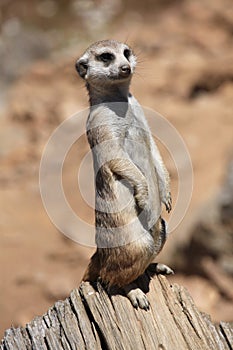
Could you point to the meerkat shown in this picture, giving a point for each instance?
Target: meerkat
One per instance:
(131, 181)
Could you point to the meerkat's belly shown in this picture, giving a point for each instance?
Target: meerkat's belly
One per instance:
(117, 222)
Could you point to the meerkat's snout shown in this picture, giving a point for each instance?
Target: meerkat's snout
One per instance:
(125, 71)
(81, 67)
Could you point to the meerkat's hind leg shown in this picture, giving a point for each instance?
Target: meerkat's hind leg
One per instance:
(131, 291)
(136, 292)
(158, 268)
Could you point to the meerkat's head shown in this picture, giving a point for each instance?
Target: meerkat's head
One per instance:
(106, 62)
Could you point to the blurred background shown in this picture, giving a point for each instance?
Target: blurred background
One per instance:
(185, 72)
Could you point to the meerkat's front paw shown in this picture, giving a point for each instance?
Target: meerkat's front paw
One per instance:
(168, 202)
(138, 299)
(141, 196)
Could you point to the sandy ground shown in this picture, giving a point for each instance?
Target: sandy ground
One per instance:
(185, 73)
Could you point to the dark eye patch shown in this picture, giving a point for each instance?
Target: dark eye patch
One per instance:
(127, 53)
(106, 57)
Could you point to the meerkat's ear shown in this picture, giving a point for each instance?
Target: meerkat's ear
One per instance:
(81, 67)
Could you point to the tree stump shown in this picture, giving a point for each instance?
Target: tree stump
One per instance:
(91, 319)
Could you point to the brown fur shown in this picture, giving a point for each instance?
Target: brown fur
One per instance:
(122, 265)
(117, 266)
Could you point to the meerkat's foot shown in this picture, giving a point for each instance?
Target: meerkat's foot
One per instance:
(160, 269)
(138, 299)
(134, 294)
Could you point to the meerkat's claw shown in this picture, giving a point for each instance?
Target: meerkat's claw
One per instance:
(138, 299)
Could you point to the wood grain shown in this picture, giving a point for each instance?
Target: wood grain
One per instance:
(91, 319)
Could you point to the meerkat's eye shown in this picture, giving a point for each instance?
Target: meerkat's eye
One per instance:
(106, 57)
(127, 53)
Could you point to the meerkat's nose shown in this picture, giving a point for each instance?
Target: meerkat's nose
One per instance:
(125, 70)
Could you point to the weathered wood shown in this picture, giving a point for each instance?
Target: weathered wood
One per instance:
(91, 319)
